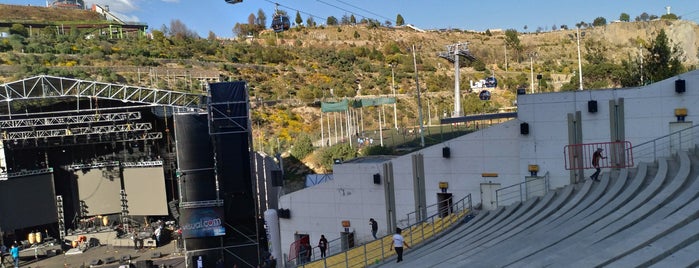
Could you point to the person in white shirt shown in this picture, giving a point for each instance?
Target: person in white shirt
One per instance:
(398, 243)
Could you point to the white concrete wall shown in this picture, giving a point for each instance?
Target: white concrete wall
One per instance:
(322, 208)
(499, 149)
(648, 111)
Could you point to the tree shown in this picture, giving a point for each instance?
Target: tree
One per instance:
(331, 21)
(643, 17)
(353, 20)
(298, 20)
(670, 16)
(624, 17)
(512, 41)
(310, 22)
(178, 30)
(599, 21)
(302, 146)
(251, 19)
(19, 29)
(662, 60)
(261, 18)
(399, 20)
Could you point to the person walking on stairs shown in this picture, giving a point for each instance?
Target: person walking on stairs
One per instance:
(595, 163)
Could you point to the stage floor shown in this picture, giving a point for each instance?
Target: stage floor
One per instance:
(170, 257)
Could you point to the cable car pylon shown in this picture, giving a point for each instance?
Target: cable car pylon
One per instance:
(452, 55)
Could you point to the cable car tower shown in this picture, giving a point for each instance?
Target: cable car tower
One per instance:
(452, 55)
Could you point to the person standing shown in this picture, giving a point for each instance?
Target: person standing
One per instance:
(158, 231)
(14, 251)
(398, 243)
(374, 227)
(322, 245)
(595, 163)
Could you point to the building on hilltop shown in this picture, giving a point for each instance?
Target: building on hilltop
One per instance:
(72, 4)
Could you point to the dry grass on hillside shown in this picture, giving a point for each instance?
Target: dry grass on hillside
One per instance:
(16, 13)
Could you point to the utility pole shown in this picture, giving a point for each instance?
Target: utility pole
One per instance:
(419, 104)
(395, 101)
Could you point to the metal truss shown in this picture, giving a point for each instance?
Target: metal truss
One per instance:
(5, 175)
(202, 204)
(460, 49)
(68, 120)
(84, 139)
(223, 120)
(142, 164)
(48, 133)
(45, 86)
(93, 165)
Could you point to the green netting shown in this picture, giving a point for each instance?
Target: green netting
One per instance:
(328, 107)
(372, 102)
(342, 106)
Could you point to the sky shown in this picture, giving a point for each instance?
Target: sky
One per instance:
(203, 16)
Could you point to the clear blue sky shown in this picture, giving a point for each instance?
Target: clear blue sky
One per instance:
(203, 16)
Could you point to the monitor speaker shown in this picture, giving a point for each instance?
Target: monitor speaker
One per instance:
(521, 91)
(679, 86)
(446, 152)
(592, 106)
(377, 178)
(524, 128)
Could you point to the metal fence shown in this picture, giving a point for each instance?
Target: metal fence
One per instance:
(374, 252)
(667, 145)
(533, 186)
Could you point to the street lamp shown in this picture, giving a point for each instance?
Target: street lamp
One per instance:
(532, 55)
(395, 100)
(577, 36)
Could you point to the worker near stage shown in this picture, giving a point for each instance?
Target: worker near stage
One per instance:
(14, 251)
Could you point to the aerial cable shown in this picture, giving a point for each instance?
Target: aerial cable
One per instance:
(302, 12)
(365, 10)
(345, 10)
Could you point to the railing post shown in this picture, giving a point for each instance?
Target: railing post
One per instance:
(346, 259)
(365, 257)
(383, 256)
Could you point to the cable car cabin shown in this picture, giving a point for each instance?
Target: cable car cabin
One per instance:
(280, 23)
(491, 82)
(234, 1)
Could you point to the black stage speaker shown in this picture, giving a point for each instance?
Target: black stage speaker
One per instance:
(592, 106)
(377, 178)
(679, 86)
(284, 213)
(446, 152)
(277, 179)
(521, 91)
(524, 128)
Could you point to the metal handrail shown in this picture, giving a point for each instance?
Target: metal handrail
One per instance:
(666, 145)
(375, 251)
(522, 191)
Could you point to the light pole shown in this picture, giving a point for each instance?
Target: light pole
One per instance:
(577, 35)
(395, 100)
(419, 103)
(532, 55)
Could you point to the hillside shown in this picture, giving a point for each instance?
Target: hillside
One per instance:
(37, 14)
(291, 72)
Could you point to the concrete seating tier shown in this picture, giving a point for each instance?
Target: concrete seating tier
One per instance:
(645, 216)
